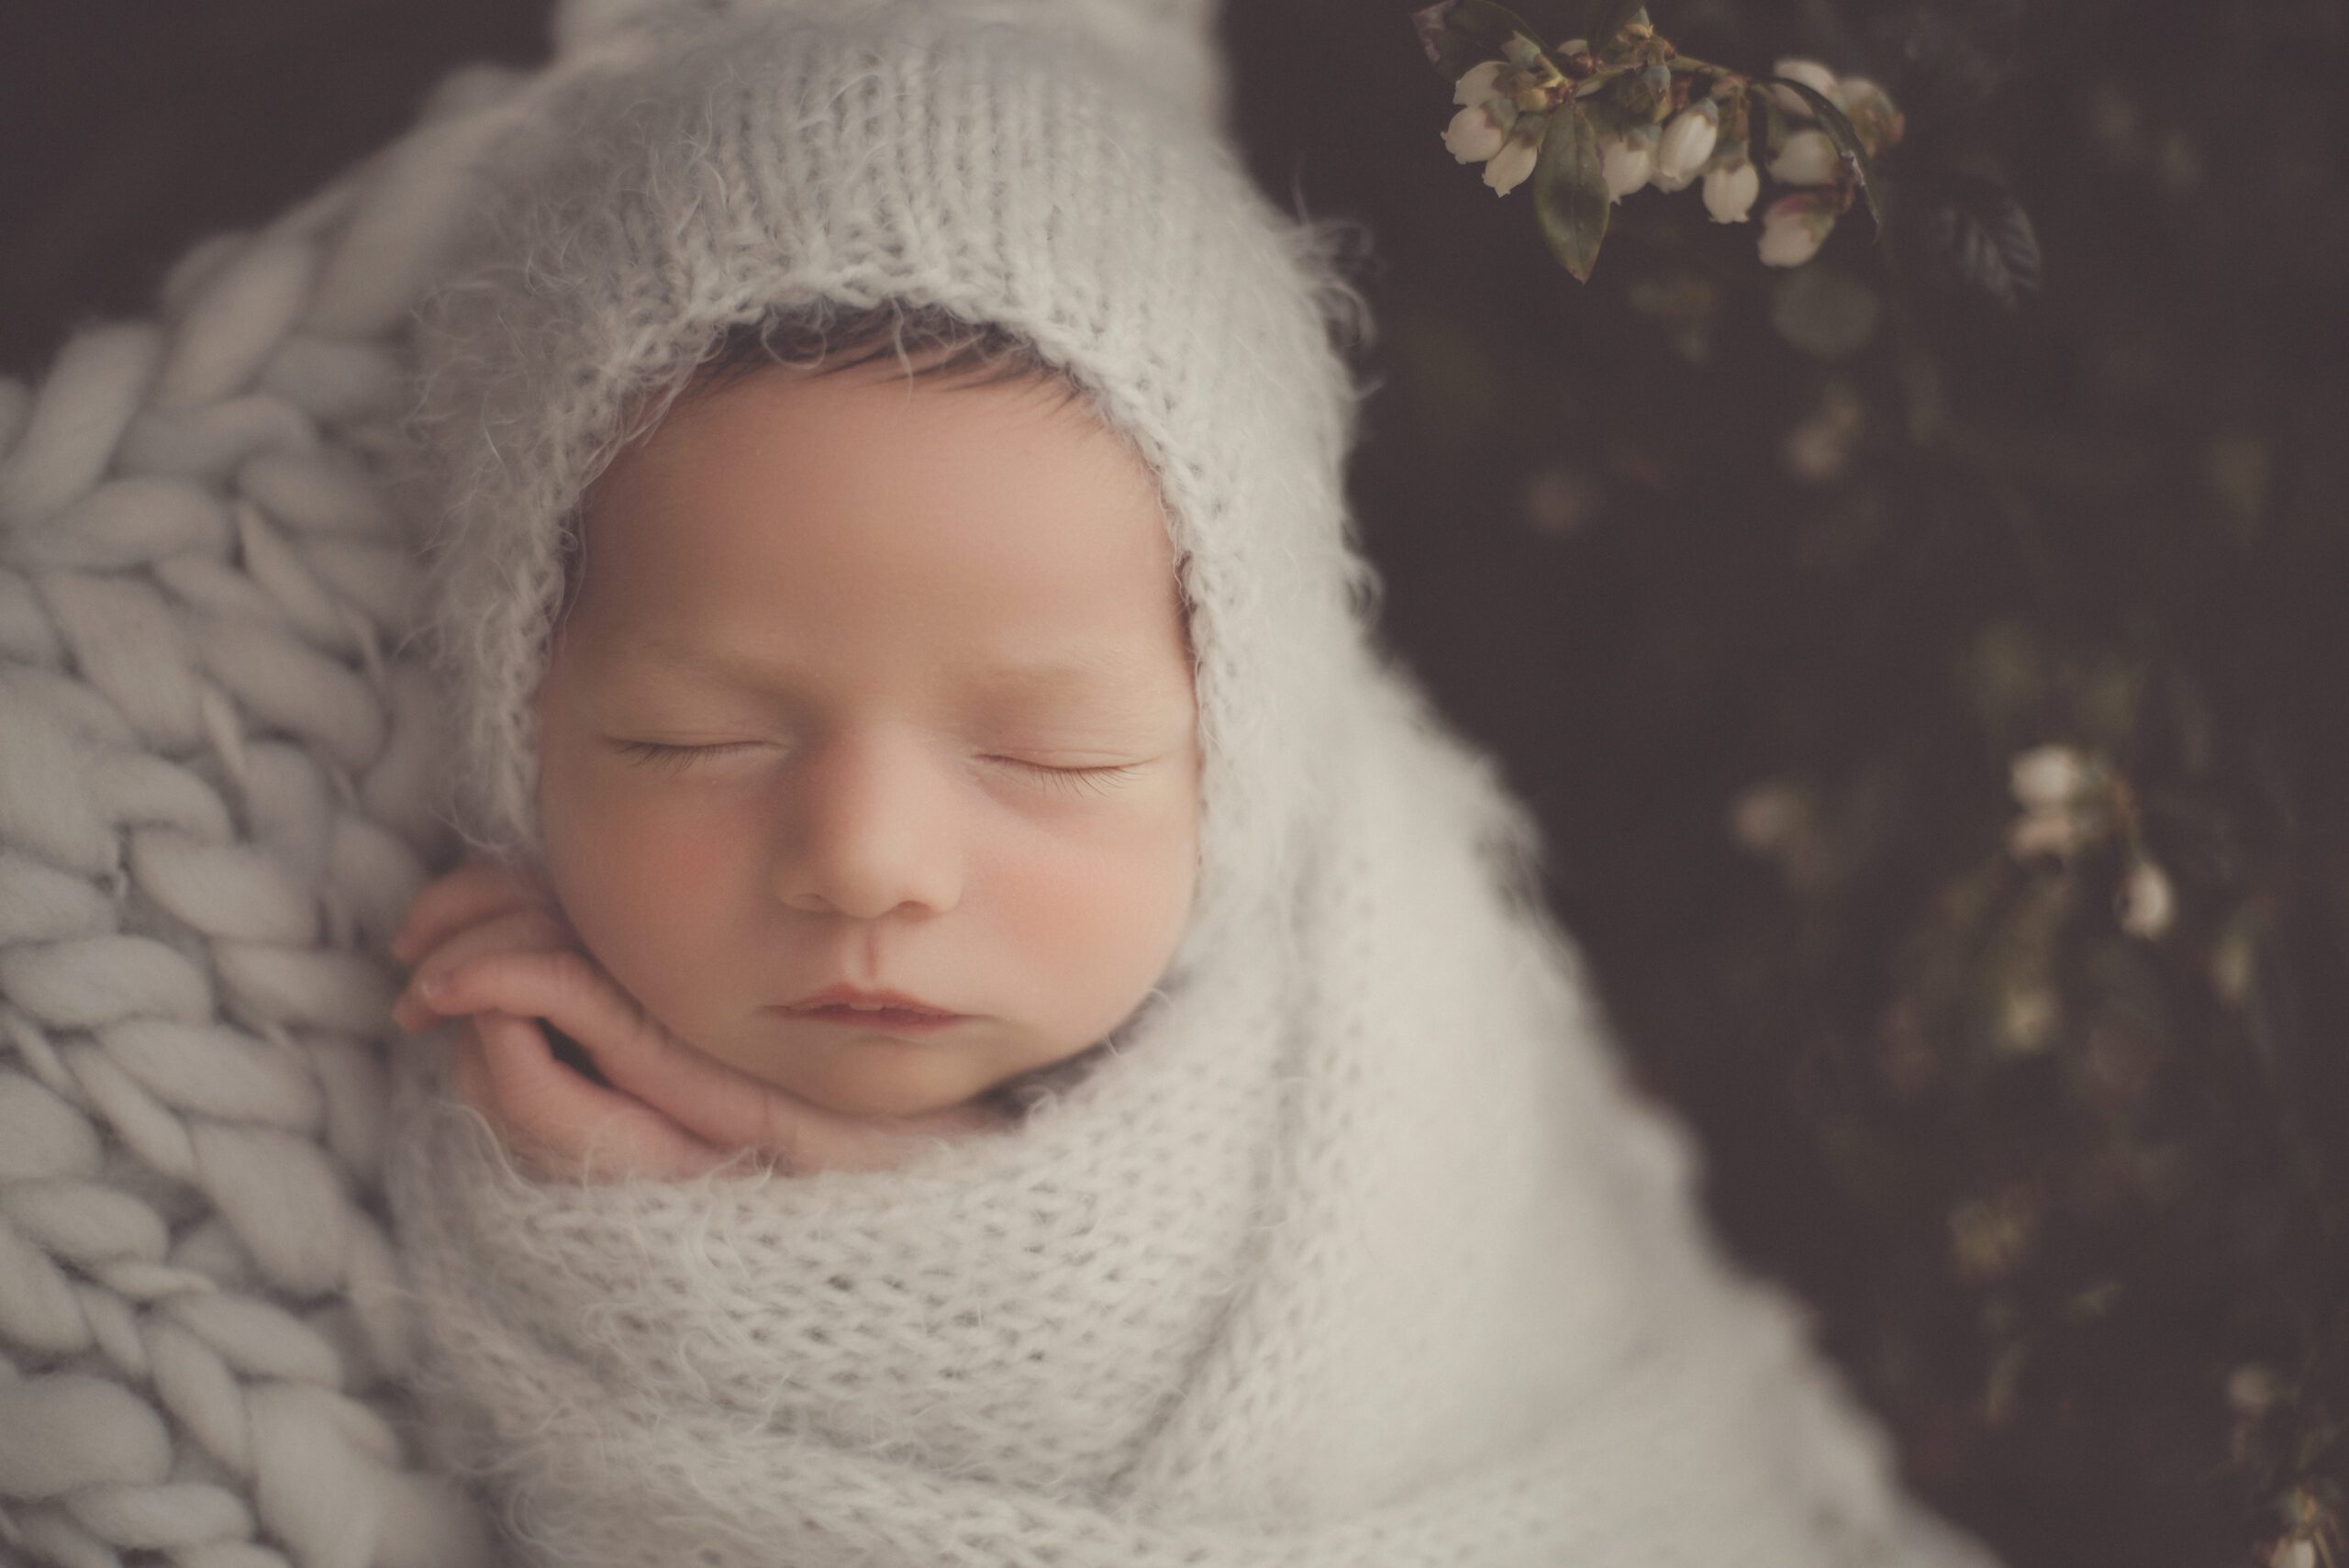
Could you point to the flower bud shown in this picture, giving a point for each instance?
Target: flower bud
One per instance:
(1627, 162)
(1476, 134)
(1508, 168)
(1793, 228)
(1687, 142)
(1729, 190)
(1809, 159)
(1479, 83)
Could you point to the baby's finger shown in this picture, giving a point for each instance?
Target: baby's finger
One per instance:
(569, 1125)
(713, 1102)
(472, 893)
(639, 1060)
(722, 1107)
(516, 930)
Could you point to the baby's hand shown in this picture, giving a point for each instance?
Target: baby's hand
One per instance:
(553, 1117)
(495, 950)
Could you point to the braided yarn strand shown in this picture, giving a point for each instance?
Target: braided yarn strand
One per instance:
(217, 771)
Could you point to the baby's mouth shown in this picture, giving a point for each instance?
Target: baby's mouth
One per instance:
(892, 1020)
(877, 1011)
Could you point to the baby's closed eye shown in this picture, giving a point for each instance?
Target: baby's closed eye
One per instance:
(672, 757)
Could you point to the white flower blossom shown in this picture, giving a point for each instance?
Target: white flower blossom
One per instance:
(1793, 228)
(2148, 903)
(1476, 134)
(1687, 143)
(1492, 127)
(1870, 109)
(1729, 190)
(1858, 96)
(1812, 74)
(1479, 83)
(1627, 162)
(2050, 777)
(1507, 168)
(1809, 158)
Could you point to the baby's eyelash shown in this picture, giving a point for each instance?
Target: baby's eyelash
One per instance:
(659, 754)
(655, 753)
(1100, 781)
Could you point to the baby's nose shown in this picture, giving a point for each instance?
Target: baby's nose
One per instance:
(873, 828)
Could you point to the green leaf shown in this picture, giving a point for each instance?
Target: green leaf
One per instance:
(1570, 191)
(1847, 141)
(1460, 35)
(1982, 233)
(1607, 20)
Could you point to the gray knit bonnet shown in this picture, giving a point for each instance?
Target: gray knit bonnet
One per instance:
(1054, 167)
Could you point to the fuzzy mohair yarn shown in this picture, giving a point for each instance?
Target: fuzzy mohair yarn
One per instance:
(1351, 1245)
(1027, 175)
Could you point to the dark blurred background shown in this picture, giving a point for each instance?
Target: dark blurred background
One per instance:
(1758, 581)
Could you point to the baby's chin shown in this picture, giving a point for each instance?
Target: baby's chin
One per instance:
(879, 1076)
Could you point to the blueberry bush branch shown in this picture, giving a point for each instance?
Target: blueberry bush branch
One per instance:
(1591, 119)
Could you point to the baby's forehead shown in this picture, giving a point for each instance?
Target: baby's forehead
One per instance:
(870, 484)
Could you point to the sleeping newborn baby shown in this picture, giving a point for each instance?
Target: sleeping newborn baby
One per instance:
(888, 547)
(868, 767)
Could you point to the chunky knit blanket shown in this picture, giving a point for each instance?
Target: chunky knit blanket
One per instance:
(1351, 1249)
(217, 771)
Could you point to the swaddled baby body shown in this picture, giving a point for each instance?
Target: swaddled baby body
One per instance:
(1334, 1236)
(873, 673)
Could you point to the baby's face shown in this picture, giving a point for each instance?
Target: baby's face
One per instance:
(880, 682)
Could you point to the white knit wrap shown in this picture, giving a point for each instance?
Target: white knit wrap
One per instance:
(1352, 1249)
(1355, 1251)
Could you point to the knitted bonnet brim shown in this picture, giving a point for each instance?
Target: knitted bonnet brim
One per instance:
(1017, 176)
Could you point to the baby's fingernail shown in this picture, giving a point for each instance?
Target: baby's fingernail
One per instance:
(431, 984)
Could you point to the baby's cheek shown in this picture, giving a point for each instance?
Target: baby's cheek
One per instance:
(1098, 916)
(651, 886)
